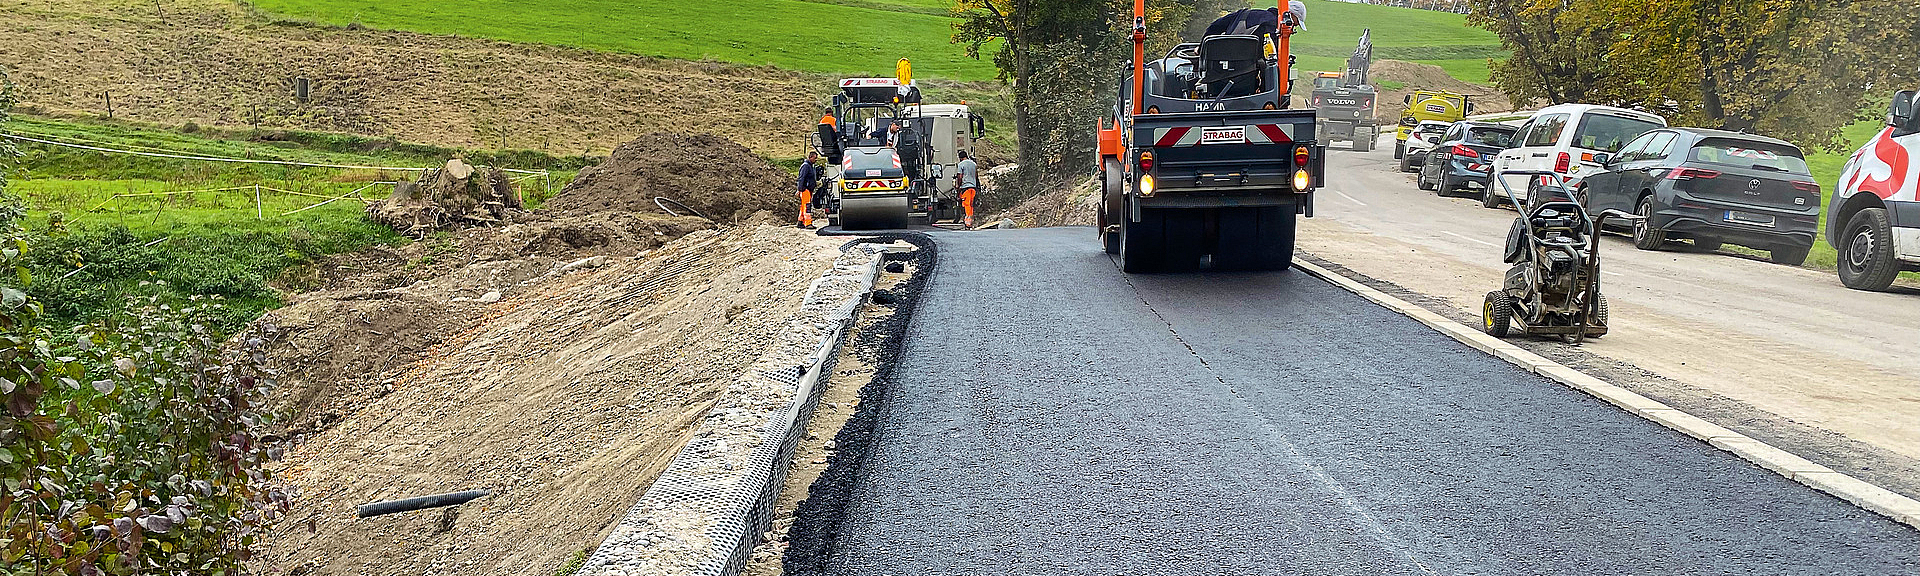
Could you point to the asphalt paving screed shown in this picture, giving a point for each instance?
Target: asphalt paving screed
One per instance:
(1052, 415)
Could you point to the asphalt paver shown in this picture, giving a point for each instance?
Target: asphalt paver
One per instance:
(1051, 415)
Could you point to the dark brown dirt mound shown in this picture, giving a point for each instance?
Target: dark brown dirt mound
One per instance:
(714, 175)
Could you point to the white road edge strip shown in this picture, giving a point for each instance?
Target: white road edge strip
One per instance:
(1865, 495)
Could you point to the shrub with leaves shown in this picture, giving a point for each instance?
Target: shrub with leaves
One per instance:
(134, 444)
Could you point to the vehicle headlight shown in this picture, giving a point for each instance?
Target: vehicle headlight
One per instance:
(1301, 180)
(1146, 186)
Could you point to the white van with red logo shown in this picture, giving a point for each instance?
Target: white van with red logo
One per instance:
(1874, 217)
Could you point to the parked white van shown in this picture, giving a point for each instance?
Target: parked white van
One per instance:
(1564, 139)
(1874, 217)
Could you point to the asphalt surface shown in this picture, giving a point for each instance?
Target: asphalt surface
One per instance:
(1050, 415)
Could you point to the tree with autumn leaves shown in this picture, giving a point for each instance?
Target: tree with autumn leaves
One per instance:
(1798, 70)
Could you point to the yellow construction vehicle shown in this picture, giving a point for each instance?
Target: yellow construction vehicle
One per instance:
(1429, 106)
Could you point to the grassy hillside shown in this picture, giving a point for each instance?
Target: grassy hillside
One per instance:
(1439, 38)
(833, 36)
(208, 242)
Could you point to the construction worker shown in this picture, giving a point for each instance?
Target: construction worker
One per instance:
(809, 178)
(828, 120)
(966, 177)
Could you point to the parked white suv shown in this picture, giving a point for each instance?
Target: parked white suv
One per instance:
(1874, 217)
(1563, 139)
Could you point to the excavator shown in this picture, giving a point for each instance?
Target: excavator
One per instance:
(1346, 100)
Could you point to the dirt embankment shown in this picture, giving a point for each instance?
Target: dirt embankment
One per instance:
(565, 398)
(713, 175)
(217, 63)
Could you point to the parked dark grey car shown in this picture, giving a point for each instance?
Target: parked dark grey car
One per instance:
(1711, 186)
(1464, 156)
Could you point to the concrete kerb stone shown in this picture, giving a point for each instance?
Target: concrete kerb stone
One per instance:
(704, 514)
(1858, 492)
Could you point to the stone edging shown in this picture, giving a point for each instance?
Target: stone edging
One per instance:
(704, 514)
(1865, 495)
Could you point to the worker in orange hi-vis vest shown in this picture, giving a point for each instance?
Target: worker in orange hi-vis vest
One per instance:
(809, 178)
(966, 177)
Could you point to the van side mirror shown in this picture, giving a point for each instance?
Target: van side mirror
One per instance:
(1901, 110)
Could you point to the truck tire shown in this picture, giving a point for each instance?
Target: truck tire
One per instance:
(1256, 238)
(1399, 149)
(1866, 252)
(1361, 140)
(1185, 240)
(1142, 243)
(1496, 314)
(1113, 205)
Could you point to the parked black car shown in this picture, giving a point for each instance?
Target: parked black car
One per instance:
(1711, 186)
(1464, 156)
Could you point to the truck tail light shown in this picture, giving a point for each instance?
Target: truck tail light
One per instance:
(1691, 173)
(1146, 161)
(1563, 163)
(1300, 156)
(1462, 151)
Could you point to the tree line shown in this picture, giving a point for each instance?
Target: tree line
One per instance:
(1795, 69)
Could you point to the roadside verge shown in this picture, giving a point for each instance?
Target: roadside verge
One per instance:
(1860, 493)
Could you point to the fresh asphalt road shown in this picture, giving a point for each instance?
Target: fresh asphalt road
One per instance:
(1054, 416)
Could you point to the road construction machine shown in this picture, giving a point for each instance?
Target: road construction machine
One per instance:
(881, 179)
(1202, 159)
(1345, 100)
(1429, 106)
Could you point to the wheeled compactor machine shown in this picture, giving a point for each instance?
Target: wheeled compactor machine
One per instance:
(877, 179)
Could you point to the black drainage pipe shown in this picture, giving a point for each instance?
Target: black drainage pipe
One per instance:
(420, 503)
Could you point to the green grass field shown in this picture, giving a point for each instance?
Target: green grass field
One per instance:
(1825, 167)
(853, 37)
(198, 239)
(1439, 38)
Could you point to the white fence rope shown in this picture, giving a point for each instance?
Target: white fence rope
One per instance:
(181, 156)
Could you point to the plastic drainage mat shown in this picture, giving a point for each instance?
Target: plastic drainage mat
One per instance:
(697, 519)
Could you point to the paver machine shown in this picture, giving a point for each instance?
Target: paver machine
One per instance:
(1346, 100)
(1553, 288)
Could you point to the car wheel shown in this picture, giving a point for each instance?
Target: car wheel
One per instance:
(1791, 256)
(1406, 161)
(1645, 236)
(1496, 314)
(1866, 251)
(1488, 198)
(1422, 181)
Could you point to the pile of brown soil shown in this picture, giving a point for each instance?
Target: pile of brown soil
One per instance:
(456, 195)
(713, 175)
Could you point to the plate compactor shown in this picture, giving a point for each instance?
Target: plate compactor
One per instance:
(1553, 288)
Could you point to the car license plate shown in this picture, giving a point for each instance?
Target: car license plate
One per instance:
(1745, 218)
